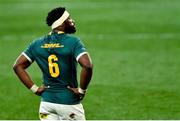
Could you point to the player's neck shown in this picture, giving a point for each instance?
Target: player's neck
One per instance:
(58, 31)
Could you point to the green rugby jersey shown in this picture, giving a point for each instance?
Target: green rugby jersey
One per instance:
(57, 55)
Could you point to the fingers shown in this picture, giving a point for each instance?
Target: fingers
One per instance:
(45, 87)
(71, 88)
(75, 90)
(41, 90)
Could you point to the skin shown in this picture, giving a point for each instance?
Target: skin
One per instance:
(22, 64)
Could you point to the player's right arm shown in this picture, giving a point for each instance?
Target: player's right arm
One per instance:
(20, 66)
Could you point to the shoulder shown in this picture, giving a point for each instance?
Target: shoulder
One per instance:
(72, 38)
(38, 41)
(72, 41)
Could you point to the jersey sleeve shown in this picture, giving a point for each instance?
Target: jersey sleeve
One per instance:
(28, 53)
(79, 50)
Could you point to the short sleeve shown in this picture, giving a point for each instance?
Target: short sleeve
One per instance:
(79, 50)
(28, 52)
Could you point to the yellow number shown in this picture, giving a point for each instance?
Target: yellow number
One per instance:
(53, 66)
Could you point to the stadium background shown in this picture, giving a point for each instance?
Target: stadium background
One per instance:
(134, 45)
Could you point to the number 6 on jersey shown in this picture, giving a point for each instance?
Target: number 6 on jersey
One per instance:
(53, 66)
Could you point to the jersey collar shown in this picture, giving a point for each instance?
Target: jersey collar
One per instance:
(59, 32)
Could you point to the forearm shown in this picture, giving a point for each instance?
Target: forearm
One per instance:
(20, 66)
(85, 77)
(23, 76)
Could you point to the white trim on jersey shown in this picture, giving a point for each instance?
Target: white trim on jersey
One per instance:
(77, 58)
(27, 57)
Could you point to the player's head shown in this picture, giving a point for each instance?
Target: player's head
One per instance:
(59, 18)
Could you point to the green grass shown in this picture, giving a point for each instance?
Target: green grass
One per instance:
(134, 44)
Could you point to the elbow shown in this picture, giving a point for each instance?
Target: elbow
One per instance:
(15, 67)
(88, 66)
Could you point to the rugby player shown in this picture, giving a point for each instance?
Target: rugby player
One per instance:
(57, 55)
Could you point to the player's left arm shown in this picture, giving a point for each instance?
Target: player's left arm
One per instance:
(86, 71)
(85, 76)
(20, 66)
